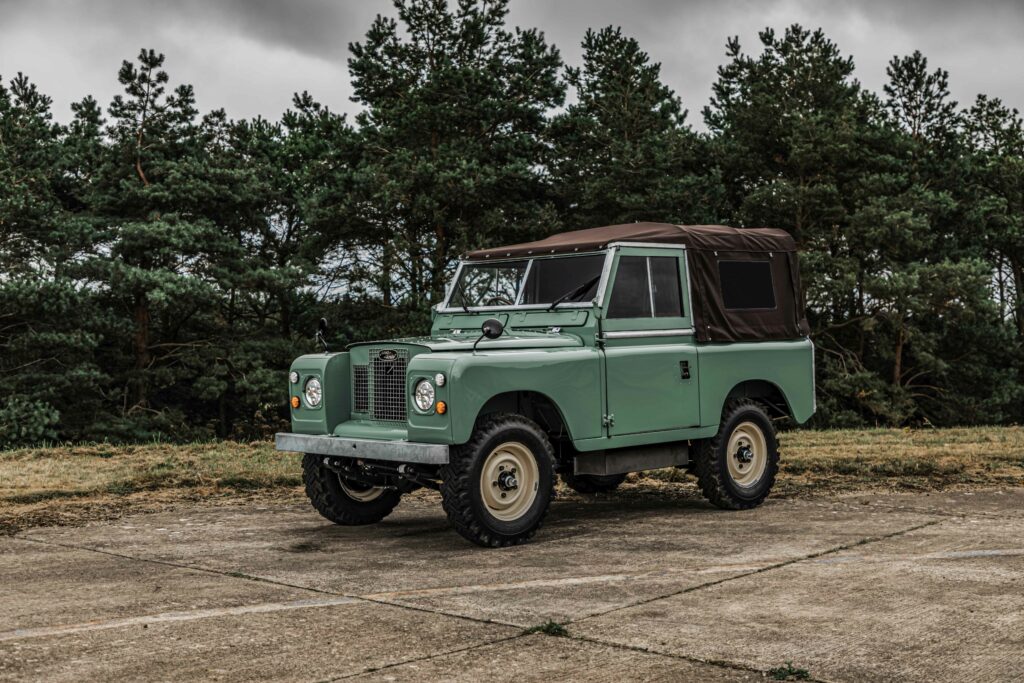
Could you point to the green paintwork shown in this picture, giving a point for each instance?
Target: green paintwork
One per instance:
(612, 391)
(332, 369)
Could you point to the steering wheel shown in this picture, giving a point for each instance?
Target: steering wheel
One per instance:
(498, 301)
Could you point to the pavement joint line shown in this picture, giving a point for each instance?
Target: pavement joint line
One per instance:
(424, 658)
(165, 617)
(178, 565)
(721, 663)
(260, 579)
(778, 565)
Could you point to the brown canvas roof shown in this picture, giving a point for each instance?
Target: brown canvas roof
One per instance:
(700, 237)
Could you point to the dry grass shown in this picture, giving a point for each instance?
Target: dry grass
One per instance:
(69, 484)
(73, 484)
(844, 461)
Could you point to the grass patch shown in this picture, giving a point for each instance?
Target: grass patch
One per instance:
(789, 673)
(548, 628)
(74, 484)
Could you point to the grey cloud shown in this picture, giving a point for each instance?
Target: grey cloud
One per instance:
(249, 56)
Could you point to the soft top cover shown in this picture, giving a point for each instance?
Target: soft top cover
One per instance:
(708, 246)
(701, 237)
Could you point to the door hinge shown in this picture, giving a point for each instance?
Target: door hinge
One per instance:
(608, 420)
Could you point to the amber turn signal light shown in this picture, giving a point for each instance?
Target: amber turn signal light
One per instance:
(442, 407)
(295, 401)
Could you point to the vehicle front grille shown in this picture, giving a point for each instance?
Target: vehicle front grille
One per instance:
(378, 389)
(360, 389)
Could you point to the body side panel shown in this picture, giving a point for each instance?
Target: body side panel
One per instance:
(789, 365)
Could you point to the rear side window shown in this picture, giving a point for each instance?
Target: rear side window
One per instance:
(667, 296)
(645, 287)
(746, 284)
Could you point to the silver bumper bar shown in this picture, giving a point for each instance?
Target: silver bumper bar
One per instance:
(370, 449)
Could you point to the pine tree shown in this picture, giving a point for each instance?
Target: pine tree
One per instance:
(150, 197)
(49, 381)
(455, 108)
(623, 151)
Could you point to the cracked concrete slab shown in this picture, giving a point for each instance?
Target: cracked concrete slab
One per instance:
(44, 586)
(543, 658)
(842, 587)
(942, 603)
(317, 642)
(589, 558)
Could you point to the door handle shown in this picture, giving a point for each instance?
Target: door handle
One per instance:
(684, 369)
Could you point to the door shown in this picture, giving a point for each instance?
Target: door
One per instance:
(649, 354)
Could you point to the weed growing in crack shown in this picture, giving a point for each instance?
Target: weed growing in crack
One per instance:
(550, 628)
(789, 673)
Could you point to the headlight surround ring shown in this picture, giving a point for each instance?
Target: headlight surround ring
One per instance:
(313, 392)
(423, 396)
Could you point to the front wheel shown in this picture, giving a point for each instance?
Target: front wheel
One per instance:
(342, 501)
(497, 488)
(736, 468)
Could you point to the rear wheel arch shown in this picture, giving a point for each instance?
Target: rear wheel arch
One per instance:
(767, 394)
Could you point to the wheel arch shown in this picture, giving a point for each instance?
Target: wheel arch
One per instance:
(535, 405)
(767, 393)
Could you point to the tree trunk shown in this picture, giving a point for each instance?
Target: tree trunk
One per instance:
(140, 397)
(897, 367)
(1017, 265)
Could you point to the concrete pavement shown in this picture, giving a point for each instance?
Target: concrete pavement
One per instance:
(867, 587)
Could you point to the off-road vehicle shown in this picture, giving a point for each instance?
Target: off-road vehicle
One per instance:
(586, 355)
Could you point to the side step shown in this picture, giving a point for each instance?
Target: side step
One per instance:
(625, 460)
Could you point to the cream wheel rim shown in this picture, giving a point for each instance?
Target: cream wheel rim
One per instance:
(509, 481)
(362, 495)
(747, 455)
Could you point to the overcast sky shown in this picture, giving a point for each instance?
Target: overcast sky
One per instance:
(249, 56)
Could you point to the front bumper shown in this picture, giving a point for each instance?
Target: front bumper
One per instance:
(368, 449)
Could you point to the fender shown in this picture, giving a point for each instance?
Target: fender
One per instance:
(570, 378)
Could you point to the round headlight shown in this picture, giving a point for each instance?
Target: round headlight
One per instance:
(423, 396)
(314, 392)
(293, 377)
(439, 379)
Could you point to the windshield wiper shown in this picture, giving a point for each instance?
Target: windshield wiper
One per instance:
(458, 290)
(575, 292)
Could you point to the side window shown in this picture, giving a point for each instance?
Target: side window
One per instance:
(668, 300)
(631, 297)
(645, 287)
(746, 284)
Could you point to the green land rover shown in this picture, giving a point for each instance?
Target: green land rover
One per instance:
(589, 354)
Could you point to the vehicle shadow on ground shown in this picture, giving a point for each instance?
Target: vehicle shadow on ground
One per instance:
(592, 512)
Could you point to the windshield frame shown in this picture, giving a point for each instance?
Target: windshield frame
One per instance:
(609, 255)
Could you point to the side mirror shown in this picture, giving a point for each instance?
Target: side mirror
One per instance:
(492, 328)
(322, 327)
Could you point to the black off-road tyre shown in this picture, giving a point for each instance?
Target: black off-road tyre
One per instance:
(461, 496)
(721, 483)
(592, 483)
(325, 491)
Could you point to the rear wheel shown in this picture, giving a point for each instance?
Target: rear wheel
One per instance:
(344, 501)
(736, 468)
(592, 483)
(497, 487)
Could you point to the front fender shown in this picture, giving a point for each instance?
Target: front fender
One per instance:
(571, 378)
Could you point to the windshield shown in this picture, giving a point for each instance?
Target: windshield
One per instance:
(549, 279)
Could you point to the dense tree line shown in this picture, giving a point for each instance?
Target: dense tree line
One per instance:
(160, 266)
